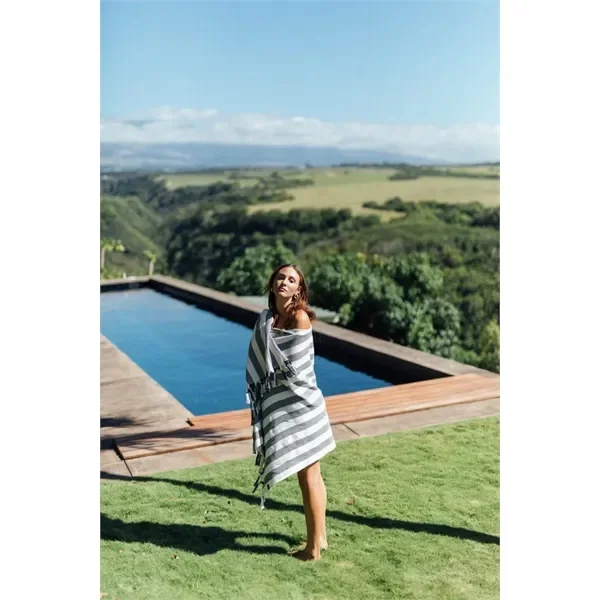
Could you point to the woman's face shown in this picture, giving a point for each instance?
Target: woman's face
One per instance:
(286, 283)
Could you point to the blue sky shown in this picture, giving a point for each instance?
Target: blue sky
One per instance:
(241, 71)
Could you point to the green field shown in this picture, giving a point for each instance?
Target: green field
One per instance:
(327, 177)
(350, 187)
(350, 176)
(410, 515)
(443, 189)
(177, 180)
(475, 170)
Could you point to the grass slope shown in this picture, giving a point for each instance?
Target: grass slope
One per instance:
(411, 515)
(138, 227)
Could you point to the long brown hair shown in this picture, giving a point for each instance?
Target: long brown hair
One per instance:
(301, 303)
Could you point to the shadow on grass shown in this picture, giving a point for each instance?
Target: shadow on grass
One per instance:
(377, 522)
(186, 537)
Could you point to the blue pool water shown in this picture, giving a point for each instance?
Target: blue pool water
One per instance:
(198, 357)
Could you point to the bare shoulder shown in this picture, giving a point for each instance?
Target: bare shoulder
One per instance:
(302, 320)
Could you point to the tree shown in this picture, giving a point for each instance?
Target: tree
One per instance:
(107, 215)
(337, 281)
(248, 274)
(379, 309)
(416, 276)
(388, 311)
(152, 257)
(105, 244)
(476, 294)
(490, 347)
(396, 299)
(444, 321)
(109, 245)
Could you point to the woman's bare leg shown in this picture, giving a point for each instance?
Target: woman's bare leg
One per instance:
(314, 500)
(324, 544)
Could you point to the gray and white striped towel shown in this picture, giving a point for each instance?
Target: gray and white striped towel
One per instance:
(290, 426)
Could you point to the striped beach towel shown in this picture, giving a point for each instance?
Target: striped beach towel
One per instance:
(290, 426)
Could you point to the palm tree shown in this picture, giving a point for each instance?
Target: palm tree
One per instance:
(110, 245)
(105, 244)
(152, 257)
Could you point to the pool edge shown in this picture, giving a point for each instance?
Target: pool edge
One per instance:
(386, 360)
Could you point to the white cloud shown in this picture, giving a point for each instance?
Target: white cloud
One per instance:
(462, 142)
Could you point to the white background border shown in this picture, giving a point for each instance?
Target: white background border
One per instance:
(50, 111)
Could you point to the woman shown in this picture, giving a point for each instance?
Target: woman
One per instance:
(290, 427)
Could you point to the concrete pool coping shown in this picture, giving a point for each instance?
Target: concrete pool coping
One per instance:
(134, 405)
(131, 402)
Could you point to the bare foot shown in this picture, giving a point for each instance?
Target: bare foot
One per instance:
(305, 555)
(324, 545)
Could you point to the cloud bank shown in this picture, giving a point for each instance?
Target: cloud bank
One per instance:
(458, 143)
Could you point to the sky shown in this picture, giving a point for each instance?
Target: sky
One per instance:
(409, 76)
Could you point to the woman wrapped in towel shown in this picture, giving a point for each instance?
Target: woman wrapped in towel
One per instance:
(290, 427)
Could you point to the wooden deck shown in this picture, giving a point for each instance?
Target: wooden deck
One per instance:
(344, 409)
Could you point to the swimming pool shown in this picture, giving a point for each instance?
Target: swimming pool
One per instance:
(199, 357)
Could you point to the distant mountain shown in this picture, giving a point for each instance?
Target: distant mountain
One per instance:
(186, 156)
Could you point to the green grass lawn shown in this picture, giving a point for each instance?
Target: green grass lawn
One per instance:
(410, 515)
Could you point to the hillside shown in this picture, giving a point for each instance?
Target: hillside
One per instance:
(135, 207)
(138, 226)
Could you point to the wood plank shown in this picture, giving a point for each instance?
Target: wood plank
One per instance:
(234, 425)
(347, 414)
(412, 397)
(456, 389)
